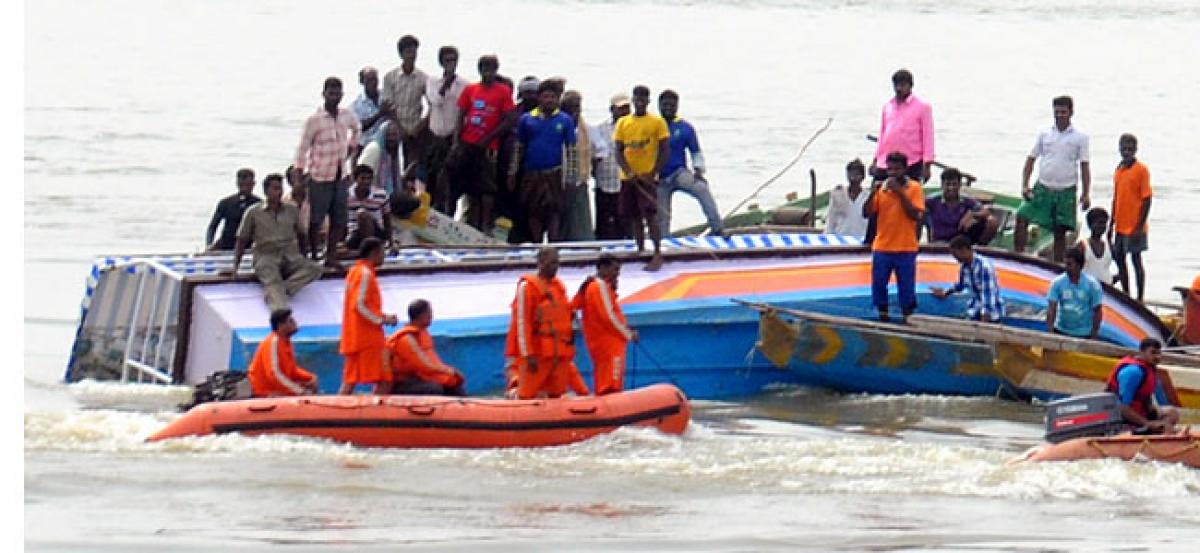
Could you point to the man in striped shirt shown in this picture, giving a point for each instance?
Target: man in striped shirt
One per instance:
(367, 211)
(977, 276)
(330, 137)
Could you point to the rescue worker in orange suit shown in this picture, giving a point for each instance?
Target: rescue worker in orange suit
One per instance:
(1134, 381)
(540, 338)
(416, 367)
(364, 343)
(605, 331)
(273, 371)
(1189, 333)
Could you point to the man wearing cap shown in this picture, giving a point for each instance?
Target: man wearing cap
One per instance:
(609, 225)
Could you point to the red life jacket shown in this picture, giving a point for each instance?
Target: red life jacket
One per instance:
(1145, 392)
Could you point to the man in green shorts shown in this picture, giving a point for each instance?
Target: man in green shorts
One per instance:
(1064, 161)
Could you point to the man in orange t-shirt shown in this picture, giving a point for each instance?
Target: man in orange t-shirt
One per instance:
(1130, 212)
(274, 371)
(898, 205)
(416, 367)
(605, 331)
(540, 337)
(363, 341)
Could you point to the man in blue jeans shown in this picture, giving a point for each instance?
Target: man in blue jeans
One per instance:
(675, 174)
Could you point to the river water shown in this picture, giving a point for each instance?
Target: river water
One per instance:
(137, 113)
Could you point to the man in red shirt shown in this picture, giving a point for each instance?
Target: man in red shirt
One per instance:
(487, 110)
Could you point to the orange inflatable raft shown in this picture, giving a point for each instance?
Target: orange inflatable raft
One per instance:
(436, 421)
(1178, 448)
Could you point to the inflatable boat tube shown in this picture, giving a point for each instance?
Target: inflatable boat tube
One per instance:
(437, 421)
(1180, 448)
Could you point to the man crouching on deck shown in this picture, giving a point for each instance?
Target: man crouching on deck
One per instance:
(1134, 382)
(274, 371)
(416, 367)
(364, 343)
(540, 337)
(604, 328)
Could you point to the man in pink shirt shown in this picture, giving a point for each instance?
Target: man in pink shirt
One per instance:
(329, 139)
(906, 127)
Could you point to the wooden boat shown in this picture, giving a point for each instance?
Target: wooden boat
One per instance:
(796, 215)
(435, 421)
(1181, 448)
(940, 355)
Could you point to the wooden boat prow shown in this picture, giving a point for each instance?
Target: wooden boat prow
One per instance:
(1181, 448)
(437, 421)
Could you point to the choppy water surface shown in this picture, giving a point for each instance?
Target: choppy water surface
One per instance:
(138, 113)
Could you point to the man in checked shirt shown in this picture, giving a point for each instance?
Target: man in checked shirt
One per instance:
(977, 276)
(329, 139)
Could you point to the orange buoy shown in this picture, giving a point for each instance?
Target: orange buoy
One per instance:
(437, 421)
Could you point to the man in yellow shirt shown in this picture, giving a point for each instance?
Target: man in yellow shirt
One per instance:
(641, 140)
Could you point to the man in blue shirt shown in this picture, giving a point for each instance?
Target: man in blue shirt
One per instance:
(976, 275)
(1074, 304)
(545, 150)
(1134, 382)
(675, 174)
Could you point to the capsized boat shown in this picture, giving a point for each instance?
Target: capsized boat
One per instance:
(177, 320)
(437, 421)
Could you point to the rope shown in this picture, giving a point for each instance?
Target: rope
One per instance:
(656, 364)
(785, 169)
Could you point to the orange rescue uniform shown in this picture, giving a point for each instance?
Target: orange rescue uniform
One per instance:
(1191, 314)
(605, 333)
(413, 356)
(274, 372)
(363, 341)
(541, 328)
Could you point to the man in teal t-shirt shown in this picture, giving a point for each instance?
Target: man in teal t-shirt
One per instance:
(1075, 300)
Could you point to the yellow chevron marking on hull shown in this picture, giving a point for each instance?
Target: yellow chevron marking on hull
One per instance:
(833, 345)
(897, 352)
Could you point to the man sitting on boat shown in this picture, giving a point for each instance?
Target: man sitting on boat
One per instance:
(977, 276)
(1074, 305)
(275, 229)
(1134, 381)
(952, 214)
(273, 371)
(416, 367)
(604, 328)
(540, 338)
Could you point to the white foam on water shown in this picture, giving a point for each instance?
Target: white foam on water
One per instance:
(93, 394)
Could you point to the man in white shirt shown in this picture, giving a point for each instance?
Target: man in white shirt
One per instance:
(604, 168)
(845, 213)
(1051, 202)
(442, 92)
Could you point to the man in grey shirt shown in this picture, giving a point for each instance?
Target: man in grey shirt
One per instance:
(275, 229)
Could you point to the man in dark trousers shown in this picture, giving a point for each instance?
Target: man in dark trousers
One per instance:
(229, 210)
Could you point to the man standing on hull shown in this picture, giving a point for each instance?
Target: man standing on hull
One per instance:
(471, 165)
(1064, 161)
(609, 225)
(329, 139)
(906, 127)
(404, 90)
(641, 140)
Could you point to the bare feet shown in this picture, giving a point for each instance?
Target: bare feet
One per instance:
(655, 263)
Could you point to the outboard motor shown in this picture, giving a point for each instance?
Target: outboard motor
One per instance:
(1087, 415)
(220, 386)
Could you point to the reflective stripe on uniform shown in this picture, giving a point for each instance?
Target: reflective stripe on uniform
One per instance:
(279, 376)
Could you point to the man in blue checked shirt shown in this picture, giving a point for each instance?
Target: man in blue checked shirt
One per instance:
(977, 276)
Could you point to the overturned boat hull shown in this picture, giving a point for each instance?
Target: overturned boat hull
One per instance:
(436, 421)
